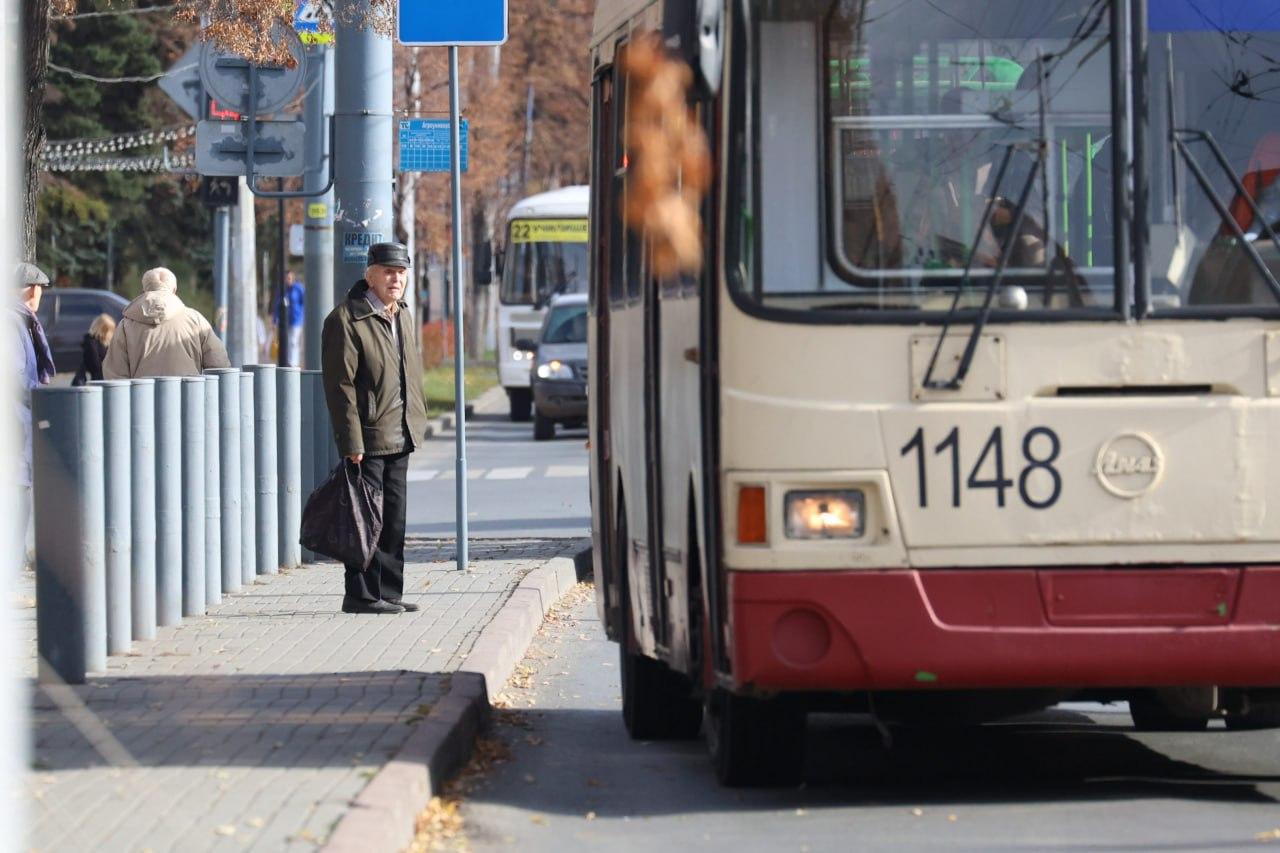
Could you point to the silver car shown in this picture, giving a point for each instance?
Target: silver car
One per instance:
(559, 372)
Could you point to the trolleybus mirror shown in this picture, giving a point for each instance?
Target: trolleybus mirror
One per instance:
(482, 262)
(499, 261)
(694, 29)
(526, 345)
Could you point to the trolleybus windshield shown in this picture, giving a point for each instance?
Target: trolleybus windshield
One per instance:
(933, 119)
(1214, 156)
(546, 257)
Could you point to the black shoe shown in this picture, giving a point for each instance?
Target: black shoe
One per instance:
(351, 605)
(409, 606)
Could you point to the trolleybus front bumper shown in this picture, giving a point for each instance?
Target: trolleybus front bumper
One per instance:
(1005, 628)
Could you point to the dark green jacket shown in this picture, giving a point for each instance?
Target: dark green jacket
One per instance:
(364, 375)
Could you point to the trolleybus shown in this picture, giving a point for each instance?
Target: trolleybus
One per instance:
(975, 405)
(546, 254)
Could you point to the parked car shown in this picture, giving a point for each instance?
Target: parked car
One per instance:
(67, 312)
(559, 373)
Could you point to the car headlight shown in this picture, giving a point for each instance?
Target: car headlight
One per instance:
(555, 370)
(826, 515)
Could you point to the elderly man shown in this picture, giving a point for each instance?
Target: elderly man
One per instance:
(373, 387)
(160, 336)
(34, 363)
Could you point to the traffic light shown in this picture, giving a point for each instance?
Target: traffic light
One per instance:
(668, 158)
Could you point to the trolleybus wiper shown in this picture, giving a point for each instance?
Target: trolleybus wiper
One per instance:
(1180, 138)
(1002, 265)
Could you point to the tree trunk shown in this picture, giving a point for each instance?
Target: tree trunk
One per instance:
(35, 26)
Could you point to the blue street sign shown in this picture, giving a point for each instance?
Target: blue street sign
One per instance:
(443, 23)
(425, 145)
(1217, 16)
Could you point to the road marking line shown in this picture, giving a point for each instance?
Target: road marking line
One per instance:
(421, 475)
(509, 473)
(566, 471)
(472, 474)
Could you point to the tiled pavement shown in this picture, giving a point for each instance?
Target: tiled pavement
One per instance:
(254, 727)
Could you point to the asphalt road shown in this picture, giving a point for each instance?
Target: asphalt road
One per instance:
(517, 487)
(1076, 778)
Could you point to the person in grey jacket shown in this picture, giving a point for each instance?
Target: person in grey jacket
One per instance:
(34, 362)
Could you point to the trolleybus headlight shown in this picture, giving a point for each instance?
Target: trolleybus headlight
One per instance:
(826, 515)
(555, 370)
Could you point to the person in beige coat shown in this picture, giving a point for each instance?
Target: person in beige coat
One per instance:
(160, 336)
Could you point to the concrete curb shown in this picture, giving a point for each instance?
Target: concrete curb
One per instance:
(382, 817)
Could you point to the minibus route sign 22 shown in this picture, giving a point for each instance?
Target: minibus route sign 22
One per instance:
(1038, 484)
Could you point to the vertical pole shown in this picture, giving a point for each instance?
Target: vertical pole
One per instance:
(459, 355)
(265, 462)
(282, 311)
(242, 300)
(364, 207)
(142, 467)
(289, 464)
(221, 268)
(310, 387)
(168, 513)
(212, 495)
(117, 433)
(248, 483)
(228, 438)
(318, 272)
(193, 589)
(71, 595)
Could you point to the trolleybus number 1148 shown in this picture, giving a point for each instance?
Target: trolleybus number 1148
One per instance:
(1039, 482)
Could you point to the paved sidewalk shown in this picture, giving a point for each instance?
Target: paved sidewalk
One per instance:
(254, 727)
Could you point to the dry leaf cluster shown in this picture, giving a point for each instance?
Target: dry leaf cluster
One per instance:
(669, 169)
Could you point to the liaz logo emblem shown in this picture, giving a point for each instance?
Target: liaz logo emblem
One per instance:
(1130, 465)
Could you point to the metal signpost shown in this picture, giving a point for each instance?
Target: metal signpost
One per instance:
(447, 23)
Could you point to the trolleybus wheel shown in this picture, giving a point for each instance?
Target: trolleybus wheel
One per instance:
(1172, 709)
(755, 742)
(521, 402)
(657, 702)
(544, 429)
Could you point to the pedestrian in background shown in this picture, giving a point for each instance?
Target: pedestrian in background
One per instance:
(160, 336)
(373, 388)
(295, 296)
(34, 362)
(93, 349)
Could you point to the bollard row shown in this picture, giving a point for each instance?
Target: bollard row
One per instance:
(154, 498)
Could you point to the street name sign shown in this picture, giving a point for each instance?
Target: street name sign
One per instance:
(425, 145)
(450, 23)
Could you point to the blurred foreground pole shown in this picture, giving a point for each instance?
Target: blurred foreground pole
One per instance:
(266, 475)
(117, 438)
(248, 483)
(289, 463)
(142, 466)
(168, 503)
(193, 462)
(71, 589)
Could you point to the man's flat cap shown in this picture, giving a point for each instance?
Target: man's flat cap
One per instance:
(30, 274)
(389, 255)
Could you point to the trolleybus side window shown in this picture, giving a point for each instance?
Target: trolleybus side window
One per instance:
(617, 176)
(956, 151)
(1215, 194)
(603, 187)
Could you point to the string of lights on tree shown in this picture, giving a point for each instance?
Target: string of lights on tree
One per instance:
(151, 163)
(78, 148)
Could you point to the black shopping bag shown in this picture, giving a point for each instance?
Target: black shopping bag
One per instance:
(343, 517)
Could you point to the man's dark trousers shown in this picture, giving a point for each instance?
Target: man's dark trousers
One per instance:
(384, 579)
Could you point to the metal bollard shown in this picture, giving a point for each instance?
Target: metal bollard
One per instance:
(193, 591)
(212, 495)
(117, 434)
(265, 464)
(168, 514)
(248, 484)
(71, 595)
(289, 463)
(308, 446)
(142, 467)
(228, 381)
(325, 447)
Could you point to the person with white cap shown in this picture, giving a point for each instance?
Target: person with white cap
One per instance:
(160, 336)
(34, 367)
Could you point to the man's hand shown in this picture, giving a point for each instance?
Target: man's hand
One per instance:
(357, 458)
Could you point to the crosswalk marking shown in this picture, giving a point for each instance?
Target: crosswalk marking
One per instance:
(565, 471)
(509, 473)
(554, 472)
